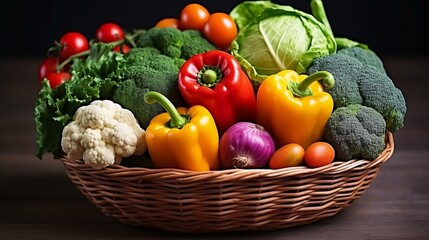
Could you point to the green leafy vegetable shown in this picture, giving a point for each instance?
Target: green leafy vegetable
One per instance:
(279, 38)
(45, 114)
(153, 64)
(318, 11)
(245, 12)
(94, 77)
(102, 62)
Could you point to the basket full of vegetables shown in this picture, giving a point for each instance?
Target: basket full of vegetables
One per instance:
(255, 119)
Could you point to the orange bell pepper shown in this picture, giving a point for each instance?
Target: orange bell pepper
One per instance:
(182, 138)
(295, 108)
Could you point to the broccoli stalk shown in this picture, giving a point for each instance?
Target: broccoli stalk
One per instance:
(355, 132)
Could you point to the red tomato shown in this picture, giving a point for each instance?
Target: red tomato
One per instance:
(57, 78)
(48, 65)
(289, 155)
(193, 16)
(168, 23)
(220, 29)
(123, 48)
(319, 154)
(72, 43)
(109, 32)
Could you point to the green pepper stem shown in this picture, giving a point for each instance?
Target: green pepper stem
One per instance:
(326, 76)
(302, 90)
(209, 76)
(319, 13)
(176, 120)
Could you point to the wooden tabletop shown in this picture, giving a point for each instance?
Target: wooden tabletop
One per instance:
(38, 201)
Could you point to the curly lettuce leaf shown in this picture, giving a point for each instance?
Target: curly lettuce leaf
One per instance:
(94, 77)
(47, 128)
(102, 62)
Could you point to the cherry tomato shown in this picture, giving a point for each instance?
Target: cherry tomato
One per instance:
(193, 16)
(123, 48)
(319, 154)
(109, 32)
(220, 29)
(72, 43)
(48, 65)
(57, 78)
(289, 155)
(168, 23)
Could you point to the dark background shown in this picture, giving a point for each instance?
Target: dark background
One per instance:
(29, 28)
(38, 200)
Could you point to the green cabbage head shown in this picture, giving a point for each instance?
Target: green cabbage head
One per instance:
(274, 37)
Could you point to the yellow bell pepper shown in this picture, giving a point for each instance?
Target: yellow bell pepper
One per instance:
(182, 138)
(295, 108)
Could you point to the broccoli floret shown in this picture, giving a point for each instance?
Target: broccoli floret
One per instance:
(154, 66)
(148, 71)
(149, 57)
(175, 43)
(194, 44)
(167, 40)
(346, 88)
(357, 83)
(365, 56)
(356, 131)
(139, 55)
(381, 94)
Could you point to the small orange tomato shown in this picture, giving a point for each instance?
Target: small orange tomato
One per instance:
(193, 16)
(168, 23)
(220, 29)
(319, 154)
(289, 155)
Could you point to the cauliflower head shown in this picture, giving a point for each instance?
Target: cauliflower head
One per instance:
(102, 133)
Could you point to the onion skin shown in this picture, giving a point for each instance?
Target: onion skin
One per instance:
(246, 145)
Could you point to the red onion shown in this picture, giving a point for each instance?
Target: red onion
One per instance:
(245, 145)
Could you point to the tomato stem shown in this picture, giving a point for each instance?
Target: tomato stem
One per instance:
(130, 37)
(84, 53)
(68, 60)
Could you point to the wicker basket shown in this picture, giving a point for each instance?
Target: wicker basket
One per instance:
(227, 200)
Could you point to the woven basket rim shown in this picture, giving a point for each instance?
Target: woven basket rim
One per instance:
(333, 168)
(225, 200)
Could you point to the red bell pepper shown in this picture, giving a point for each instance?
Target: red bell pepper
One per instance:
(215, 80)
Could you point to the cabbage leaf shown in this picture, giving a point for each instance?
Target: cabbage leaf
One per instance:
(279, 38)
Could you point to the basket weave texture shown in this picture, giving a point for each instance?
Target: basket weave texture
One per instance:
(226, 200)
